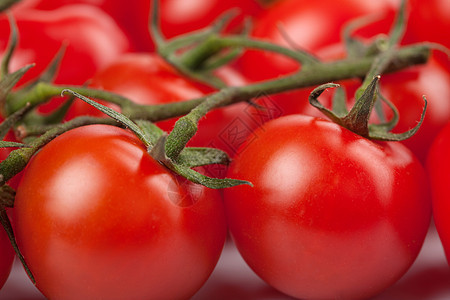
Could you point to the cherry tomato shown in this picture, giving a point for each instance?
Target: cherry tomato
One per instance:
(331, 215)
(438, 164)
(94, 206)
(430, 21)
(307, 25)
(177, 16)
(93, 40)
(406, 88)
(310, 27)
(7, 257)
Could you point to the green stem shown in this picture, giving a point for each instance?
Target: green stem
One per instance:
(310, 75)
(194, 59)
(44, 91)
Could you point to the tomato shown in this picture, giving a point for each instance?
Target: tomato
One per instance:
(430, 21)
(92, 38)
(94, 210)
(405, 90)
(146, 78)
(331, 215)
(307, 25)
(177, 16)
(7, 257)
(438, 164)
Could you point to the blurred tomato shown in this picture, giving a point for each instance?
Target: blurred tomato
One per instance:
(177, 16)
(91, 36)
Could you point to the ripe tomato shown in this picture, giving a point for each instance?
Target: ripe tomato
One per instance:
(148, 79)
(309, 26)
(7, 257)
(405, 90)
(314, 29)
(93, 40)
(177, 16)
(331, 214)
(94, 206)
(438, 164)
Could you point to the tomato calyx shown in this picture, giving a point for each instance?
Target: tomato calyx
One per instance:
(368, 95)
(357, 119)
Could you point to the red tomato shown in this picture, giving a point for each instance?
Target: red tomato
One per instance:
(93, 41)
(177, 16)
(430, 21)
(331, 215)
(93, 205)
(438, 164)
(309, 26)
(7, 257)
(148, 79)
(315, 30)
(405, 90)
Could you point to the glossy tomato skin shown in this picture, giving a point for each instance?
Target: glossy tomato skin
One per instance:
(92, 38)
(7, 257)
(331, 215)
(98, 218)
(177, 16)
(438, 164)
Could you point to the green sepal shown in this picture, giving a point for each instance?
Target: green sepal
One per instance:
(11, 47)
(7, 196)
(157, 150)
(5, 4)
(115, 115)
(357, 120)
(313, 100)
(213, 183)
(9, 81)
(6, 223)
(354, 47)
(150, 130)
(339, 102)
(385, 125)
(202, 156)
(380, 133)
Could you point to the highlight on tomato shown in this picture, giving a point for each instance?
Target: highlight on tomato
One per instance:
(331, 214)
(97, 217)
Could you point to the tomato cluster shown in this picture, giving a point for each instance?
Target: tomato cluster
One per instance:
(330, 213)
